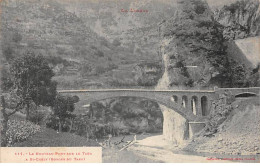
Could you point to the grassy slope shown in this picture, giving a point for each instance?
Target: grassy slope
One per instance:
(50, 138)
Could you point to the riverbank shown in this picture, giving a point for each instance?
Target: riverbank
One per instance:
(152, 149)
(155, 149)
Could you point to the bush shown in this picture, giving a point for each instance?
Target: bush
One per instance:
(86, 127)
(100, 70)
(38, 117)
(120, 82)
(147, 80)
(116, 43)
(52, 122)
(19, 131)
(99, 53)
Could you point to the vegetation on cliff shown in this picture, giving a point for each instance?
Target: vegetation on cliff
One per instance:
(197, 49)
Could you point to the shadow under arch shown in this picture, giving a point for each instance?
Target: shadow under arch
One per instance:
(245, 94)
(204, 106)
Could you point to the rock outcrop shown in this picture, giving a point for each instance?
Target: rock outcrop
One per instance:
(193, 49)
(194, 45)
(237, 134)
(175, 127)
(195, 42)
(240, 19)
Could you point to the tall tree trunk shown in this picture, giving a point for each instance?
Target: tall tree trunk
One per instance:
(5, 120)
(4, 123)
(71, 125)
(4, 130)
(27, 110)
(91, 111)
(60, 126)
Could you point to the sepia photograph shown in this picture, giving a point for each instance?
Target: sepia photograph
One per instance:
(130, 81)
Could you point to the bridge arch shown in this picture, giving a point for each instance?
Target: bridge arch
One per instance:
(245, 94)
(160, 97)
(175, 98)
(184, 101)
(172, 106)
(163, 97)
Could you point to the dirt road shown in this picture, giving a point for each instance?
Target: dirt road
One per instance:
(151, 148)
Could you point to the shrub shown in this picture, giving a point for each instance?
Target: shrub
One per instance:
(38, 117)
(52, 122)
(86, 127)
(86, 69)
(19, 131)
(147, 80)
(116, 43)
(100, 70)
(99, 53)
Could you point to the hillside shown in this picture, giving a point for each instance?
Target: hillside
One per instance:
(135, 30)
(92, 44)
(80, 55)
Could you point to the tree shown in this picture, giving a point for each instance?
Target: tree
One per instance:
(8, 53)
(32, 80)
(6, 79)
(235, 74)
(8, 101)
(63, 108)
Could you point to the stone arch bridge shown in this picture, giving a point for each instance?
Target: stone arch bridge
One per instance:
(193, 105)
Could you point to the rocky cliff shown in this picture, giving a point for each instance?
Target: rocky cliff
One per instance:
(194, 51)
(240, 19)
(195, 42)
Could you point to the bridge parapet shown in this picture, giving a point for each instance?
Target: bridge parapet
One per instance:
(238, 91)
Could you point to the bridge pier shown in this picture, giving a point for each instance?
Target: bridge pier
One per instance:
(175, 127)
(199, 109)
(195, 127)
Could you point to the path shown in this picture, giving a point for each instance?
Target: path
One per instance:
(157, 149)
